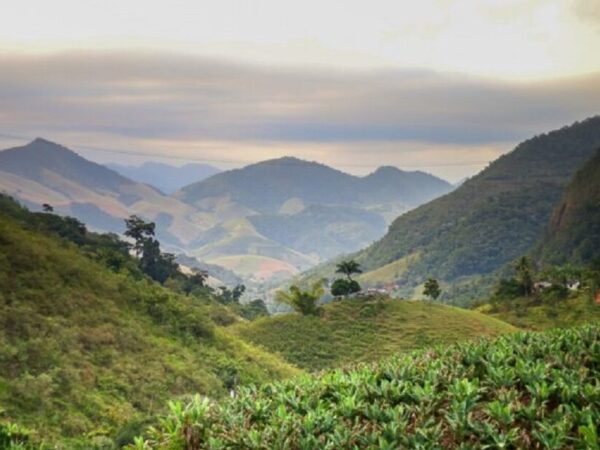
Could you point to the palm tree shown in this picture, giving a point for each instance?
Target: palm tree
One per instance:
(304, 302)
(348, 268)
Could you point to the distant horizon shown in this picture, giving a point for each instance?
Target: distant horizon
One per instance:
(444, 87)
(137, 161)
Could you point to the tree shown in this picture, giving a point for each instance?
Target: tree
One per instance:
(140, 231)
(348, 268)
(304, 302)
(231, 296)
(432, 289)
(525, 275)
(157, 265)
(507, 289)
(342, 287)
(252, 310)
(194, 281)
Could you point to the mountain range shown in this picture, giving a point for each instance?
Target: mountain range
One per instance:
(483, 225)
(165, 177)
(44, 172)
(264, 222)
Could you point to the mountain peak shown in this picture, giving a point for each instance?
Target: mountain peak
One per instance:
(44, 145)
(40, 140)
(284, 160)
(41, 156)
(387, 170)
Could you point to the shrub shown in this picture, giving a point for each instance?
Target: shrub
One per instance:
(342, 287)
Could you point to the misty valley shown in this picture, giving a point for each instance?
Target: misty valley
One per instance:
(315, 225)
(287, 304)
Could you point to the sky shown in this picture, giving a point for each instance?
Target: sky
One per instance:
(443, 86)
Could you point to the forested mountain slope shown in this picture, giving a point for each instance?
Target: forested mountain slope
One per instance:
(573, 235)
(489, 220)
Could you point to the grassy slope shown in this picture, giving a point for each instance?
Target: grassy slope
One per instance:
(563, 313)
(359, 330)
(524, 390)
(86, 350)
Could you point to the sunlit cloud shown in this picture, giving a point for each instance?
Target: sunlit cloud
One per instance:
(500, 38)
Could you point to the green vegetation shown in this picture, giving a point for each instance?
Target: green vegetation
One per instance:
(348, 268)
(432, 289)
(157, 265)
(538, 314)
(90, 347)
(343, 287)
(346, 286)
(490, 220)
(231, 297)
(557, 296)
(304, 302)
(365, 329)
(524, 390)
(574, 231)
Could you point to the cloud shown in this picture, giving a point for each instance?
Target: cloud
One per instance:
(588, 11)
(133, 97)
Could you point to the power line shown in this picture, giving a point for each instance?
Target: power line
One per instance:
(227, 161)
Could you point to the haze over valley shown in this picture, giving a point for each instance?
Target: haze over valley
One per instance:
(264, 222)
(299, 225)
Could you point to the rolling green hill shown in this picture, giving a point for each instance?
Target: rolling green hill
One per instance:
(360, 330)
(490, 219)
(524, 390)
(87, 351)
(573, 234)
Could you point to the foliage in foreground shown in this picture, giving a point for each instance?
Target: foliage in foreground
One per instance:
(523, 390)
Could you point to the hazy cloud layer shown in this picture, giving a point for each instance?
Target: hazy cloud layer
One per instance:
(131, 99)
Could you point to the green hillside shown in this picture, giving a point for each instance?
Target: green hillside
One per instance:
(361, 330)
(523, 390)
(87, 351)
(573, 234)
(531, 314)
(489, 220)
